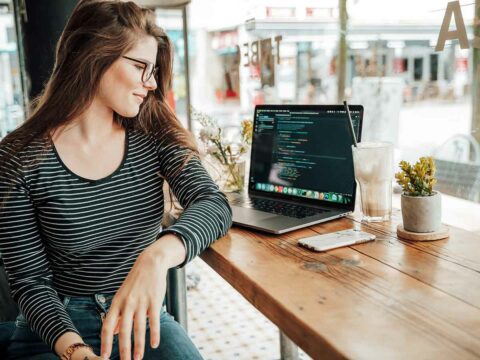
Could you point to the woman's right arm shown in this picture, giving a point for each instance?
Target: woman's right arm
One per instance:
(26, 263)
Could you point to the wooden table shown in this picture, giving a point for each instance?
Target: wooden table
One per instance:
(387, 299)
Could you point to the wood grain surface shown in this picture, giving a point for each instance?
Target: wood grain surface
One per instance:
(441, 233)
(385, 299)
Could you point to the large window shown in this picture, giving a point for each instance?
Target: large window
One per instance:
(414, 96)
(244, 53)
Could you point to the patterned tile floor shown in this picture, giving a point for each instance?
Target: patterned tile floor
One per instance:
(223, 325)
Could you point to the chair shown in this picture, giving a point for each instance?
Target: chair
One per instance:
(458, 179)
(8, 312)
(457, 174)
(176, 294)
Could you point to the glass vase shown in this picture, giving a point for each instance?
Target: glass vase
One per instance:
(229, 177)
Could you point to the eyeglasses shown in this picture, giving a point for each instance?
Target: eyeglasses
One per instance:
(148, 71)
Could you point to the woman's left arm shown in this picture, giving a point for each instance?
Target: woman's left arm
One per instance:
(207, 217)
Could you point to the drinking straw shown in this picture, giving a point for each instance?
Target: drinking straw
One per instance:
(350, 124)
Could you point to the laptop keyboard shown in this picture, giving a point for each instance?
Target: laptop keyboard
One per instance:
(277, 207)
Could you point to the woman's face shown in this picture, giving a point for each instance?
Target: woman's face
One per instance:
(121, 87)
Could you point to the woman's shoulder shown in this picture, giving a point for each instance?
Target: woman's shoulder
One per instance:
(159, 140)
(167, 143)
(15, 154)
(20, 146)
(10, 160)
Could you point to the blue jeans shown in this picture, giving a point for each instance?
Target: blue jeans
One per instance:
(87, 313)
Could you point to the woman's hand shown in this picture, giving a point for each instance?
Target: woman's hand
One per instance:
(140, 296)
(81, 353)
(85, 354)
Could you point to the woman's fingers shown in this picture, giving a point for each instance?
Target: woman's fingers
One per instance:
(128, 311)
(125, 334)
(117, 327)
(139, 334)
(154, 321)
(108, 327)
(122, 320)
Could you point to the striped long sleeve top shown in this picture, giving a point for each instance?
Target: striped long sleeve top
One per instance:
(64, 234)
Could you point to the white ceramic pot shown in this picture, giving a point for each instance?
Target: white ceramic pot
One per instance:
(422, 214)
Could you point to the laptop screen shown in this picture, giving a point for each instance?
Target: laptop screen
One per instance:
(304, 151)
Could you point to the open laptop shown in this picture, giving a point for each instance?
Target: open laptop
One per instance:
(301, 170)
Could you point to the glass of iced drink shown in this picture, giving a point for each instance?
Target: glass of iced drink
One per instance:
(373, 164)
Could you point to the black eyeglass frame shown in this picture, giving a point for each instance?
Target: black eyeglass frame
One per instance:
(147, 64)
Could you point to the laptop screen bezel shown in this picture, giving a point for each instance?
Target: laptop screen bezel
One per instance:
(304, 200)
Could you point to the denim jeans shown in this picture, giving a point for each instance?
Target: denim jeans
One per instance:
(87, 314)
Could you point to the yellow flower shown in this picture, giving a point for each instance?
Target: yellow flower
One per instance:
(247, 130)
(417, 180)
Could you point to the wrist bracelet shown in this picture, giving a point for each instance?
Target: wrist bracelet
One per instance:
(67, 355)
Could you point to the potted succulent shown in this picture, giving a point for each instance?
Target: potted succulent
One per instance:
(421, 205)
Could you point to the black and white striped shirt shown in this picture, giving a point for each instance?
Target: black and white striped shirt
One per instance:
(61, 233)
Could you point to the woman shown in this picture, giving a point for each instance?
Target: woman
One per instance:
(81, 183)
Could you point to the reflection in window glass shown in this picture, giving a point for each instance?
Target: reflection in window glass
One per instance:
(418, 69)
(433, 67)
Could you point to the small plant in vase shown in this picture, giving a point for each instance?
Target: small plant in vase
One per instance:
(421, 205)
(229, 170)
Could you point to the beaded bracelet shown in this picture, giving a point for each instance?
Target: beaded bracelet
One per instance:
(67, 355)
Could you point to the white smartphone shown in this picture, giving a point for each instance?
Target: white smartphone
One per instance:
(335, 240)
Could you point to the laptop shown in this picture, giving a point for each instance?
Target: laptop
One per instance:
(301, 168)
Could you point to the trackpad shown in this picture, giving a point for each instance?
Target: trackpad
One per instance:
(244, 215)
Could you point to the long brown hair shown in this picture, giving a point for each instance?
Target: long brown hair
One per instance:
(98, 33)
